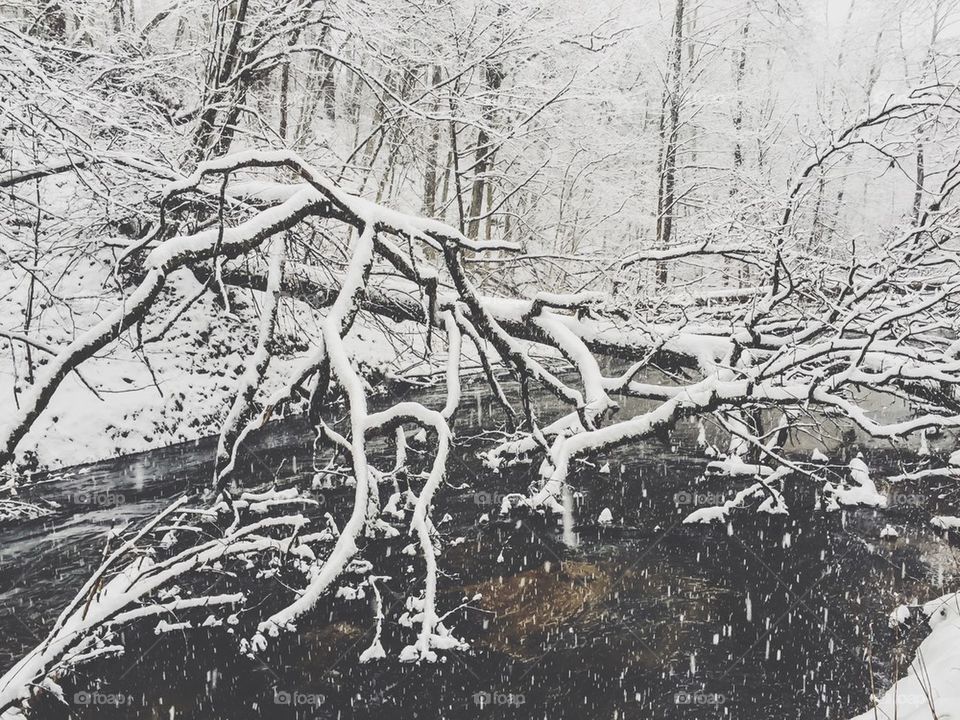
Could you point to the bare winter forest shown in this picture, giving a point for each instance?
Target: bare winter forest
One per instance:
(468, 358)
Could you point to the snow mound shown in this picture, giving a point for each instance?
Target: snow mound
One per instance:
(772, 501)
(861, 491)
(931, 687)
(946, 522)
(900, 616)
(734, 466)
(717, 513)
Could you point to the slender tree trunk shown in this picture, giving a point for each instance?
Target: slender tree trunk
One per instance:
(929, 65)
(285, 88)
(816, 229)
(310, 97)
(356, 94)
(53, 23)
(433, 144)
(741, 70)
(448, 169)
(918, 179)
(483, 162)
(490, 219)
(225, 61)
(670, 126)
(691, 23)
(377, 120)
(872, 77)
(406, 81)
(31, 286)
(328, 89)
(181, 32)
(743, 270)
(455, 171)
(122, 15)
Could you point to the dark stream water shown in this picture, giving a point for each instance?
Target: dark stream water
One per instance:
(767, 617)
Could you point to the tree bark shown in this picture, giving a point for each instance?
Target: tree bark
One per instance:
(670, 122)
(918, 179)
(223, 63)
(433, 144)
(743, 270)
(483, 162)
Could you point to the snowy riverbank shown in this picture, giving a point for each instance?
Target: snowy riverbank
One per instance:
(131, 399)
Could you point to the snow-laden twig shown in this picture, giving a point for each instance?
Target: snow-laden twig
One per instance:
(346, 545)
(453, 365)
(772, 502)
(237, 423)
(117, 595)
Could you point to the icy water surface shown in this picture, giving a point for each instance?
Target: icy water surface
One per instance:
(767, 617)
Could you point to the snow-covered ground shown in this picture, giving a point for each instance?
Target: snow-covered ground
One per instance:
(129, 399)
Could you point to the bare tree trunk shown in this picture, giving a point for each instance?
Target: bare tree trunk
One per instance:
(743, 270)
(929, 64)
(355, 92)
(433, 144)
(373, 148)
(310, 96)
(918, 179)
(820, 229)
(285, 88)
(328, 90)
(816, 229)
(490, 219)
(738, 114)
(872, 77)
(670, 125)
(447, 170)
(53, 22)
(455, 171)
(31, 286)
(223, 63)
(691, 22)
(122, 15)
(483, 162)
(181, 32)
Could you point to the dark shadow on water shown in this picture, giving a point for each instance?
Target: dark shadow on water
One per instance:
(763, 617)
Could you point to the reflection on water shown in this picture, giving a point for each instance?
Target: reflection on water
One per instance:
(767, 617)
(529, 609)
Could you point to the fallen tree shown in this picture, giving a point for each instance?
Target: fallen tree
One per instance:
(813, 340)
